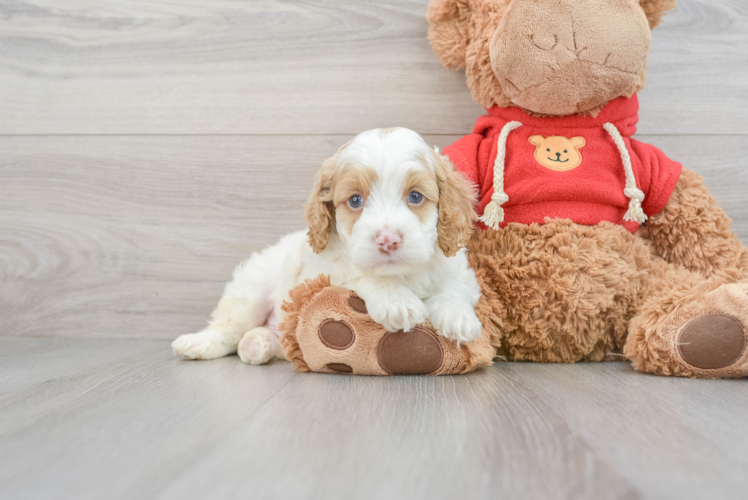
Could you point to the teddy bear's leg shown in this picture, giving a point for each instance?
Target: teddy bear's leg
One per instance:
(697, 328)
(694, 231)
(328, 329)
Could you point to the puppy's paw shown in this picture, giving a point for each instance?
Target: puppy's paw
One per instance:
(258, 346)
(454, 319)
(204, 345)
(398, 310)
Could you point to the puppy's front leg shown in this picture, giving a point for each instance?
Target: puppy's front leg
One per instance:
(452, 310)
(390, 304)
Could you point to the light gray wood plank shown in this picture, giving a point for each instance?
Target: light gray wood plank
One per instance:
(125, 427)
(648, 425)
(33, 362)
(142, 424)
(474, 436)
(135, 236)
(277, 67)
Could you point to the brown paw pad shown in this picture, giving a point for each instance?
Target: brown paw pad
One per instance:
(336, 334)
(415, 352)
(358, 305)
(712, 341)
(339, 367)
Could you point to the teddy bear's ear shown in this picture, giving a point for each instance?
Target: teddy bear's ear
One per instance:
(536, 140)
(448, 30)
(578, 142)
(655, 9)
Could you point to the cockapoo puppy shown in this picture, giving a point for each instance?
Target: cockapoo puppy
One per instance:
(388, 218)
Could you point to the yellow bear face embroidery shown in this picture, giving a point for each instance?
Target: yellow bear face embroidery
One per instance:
(558, 153)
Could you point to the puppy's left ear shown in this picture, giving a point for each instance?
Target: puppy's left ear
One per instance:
(456, 213)
(319, 210)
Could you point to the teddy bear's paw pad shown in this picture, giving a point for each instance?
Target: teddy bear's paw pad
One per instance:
(712, 341)
(339, 367)
(408, 353)
(358, 304)
(336, 334)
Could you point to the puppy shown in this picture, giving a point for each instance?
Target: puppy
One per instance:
(388, 218)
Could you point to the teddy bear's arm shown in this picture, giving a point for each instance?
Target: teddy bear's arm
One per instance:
(694, 231)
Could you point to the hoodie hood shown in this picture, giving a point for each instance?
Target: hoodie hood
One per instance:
(622, 112)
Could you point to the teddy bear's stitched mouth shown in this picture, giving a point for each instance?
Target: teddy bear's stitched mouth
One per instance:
(558, 161)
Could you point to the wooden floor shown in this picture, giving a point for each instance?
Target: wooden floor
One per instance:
(101, 418)
(147, 146)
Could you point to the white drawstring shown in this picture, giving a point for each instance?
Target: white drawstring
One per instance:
(633, 193)
(493, 215)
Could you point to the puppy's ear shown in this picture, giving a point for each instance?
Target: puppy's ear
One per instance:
(456, 213)
(319, 210)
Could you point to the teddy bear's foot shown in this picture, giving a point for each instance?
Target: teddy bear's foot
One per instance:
(712, 342)
(342, 338)
(716, 342)
(416, 352)
(704, 337)
(335, 334)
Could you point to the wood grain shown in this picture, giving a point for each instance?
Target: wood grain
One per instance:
(307, 67)
(135, 236)
(124, 419)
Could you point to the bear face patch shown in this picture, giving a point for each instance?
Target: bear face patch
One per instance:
(558, 153)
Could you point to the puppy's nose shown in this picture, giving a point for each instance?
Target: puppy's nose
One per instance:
(388, 240)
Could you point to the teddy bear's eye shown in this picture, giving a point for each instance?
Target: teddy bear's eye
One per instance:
(549, 150)
(565, 151)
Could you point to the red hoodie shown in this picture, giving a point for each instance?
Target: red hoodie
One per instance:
(566, 167)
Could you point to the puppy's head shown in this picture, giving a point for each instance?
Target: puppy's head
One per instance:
(391, 201)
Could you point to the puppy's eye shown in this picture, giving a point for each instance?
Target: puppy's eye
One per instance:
(415, 197)
(355, 201)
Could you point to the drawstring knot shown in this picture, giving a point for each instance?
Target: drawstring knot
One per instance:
(635, 195)
(493, 215)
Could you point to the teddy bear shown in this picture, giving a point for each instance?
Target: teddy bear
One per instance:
(591, 245)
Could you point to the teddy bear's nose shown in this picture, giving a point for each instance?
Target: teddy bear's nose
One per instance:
(558, 155)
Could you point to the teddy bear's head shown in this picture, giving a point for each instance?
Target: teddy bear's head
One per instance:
(550, 57)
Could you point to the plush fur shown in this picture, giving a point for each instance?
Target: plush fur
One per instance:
(388, 218)
(565, 292)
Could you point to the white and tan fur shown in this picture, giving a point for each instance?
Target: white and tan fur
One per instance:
(423, 276)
